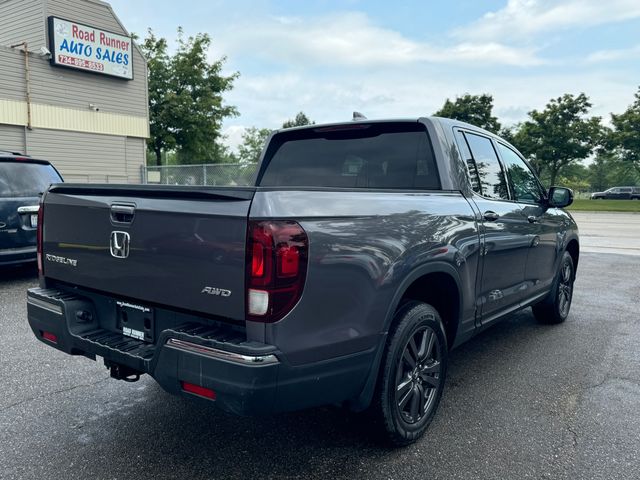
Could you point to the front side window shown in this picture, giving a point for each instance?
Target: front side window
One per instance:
(523, 182)
(491, 176)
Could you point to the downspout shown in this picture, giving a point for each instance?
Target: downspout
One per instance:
(28, 83)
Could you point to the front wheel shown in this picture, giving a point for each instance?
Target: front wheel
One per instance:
(555, 308)
(412, 373)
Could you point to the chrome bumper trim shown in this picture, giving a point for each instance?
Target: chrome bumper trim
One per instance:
(221, 354)
(36, 302)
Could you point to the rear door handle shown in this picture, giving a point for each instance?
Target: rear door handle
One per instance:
(490, 216)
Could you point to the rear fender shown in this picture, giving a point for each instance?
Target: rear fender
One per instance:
(363, 401)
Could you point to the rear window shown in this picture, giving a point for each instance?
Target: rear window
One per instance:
(21, 179)
(385, 155)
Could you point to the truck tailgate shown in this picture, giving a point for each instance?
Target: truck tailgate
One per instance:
(180, 247)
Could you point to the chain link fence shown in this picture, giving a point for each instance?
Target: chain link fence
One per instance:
(223, 174)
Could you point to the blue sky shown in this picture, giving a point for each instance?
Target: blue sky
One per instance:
(328, 57)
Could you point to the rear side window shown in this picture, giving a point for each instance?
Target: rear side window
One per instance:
(492, 179)
(22, 179)
(385, 155)
(468, 160)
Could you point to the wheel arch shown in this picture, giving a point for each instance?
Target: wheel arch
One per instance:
(573, 247)
(445, 277)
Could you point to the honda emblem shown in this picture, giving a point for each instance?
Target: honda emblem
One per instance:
(120, 244)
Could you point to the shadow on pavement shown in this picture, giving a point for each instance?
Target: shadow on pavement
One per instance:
(13, 273)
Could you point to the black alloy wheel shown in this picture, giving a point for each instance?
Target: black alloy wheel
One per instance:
(418, 375)
(565, 287)
(555, 307)
(412, 373)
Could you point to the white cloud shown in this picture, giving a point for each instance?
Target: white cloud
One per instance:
(233, 136)
(351, 39)
(332, 65)
(599, 56)
(525, 18)
(267, 101)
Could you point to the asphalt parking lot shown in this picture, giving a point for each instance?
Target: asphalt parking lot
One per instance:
(522, 401)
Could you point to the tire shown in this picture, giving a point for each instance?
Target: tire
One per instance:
(412, 374)
(555, 308)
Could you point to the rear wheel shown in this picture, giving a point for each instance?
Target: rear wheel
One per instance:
(555, 308)
(412, 374)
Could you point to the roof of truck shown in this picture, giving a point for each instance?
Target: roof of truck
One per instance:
(448, 122)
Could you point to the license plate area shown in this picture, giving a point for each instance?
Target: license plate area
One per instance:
(136, 321)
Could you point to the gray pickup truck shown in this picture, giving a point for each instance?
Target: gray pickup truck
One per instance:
(359, 256)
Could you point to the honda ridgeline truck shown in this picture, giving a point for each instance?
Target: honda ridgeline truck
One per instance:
(358, 257)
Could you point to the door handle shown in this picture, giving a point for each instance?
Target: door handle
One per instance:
(532, 219)
(122, 213)
(490, 216)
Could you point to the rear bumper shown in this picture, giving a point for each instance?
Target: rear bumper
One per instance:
(11, 256)
(248, 378)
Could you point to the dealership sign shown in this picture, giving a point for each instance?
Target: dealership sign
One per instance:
(87, 48)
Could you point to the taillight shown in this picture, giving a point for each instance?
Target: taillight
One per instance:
(39, 237)
(277, 254)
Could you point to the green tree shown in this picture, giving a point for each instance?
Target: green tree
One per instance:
(609, 170)
(625, 134)
(161, 99)
(598, 171)
(474, 109)
(559, 136)
(576, 177)
(300, 120)
(253, 141)
(186, 106)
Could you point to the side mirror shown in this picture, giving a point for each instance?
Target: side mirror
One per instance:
(560, 197)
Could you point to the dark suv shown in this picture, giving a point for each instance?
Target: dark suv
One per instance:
(618, 193)
(22, 180)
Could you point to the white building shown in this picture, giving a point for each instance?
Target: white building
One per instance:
(80, 98)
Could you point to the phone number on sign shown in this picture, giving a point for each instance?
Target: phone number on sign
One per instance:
(79, 62)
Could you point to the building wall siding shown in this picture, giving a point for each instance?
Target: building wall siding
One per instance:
(13, 112)
(62, 86)
(12, 138)
(22, 20)
(81, 157)
(136, 158)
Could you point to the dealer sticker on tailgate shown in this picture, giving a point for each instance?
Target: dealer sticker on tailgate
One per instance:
(136, 321)
(130, 332)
